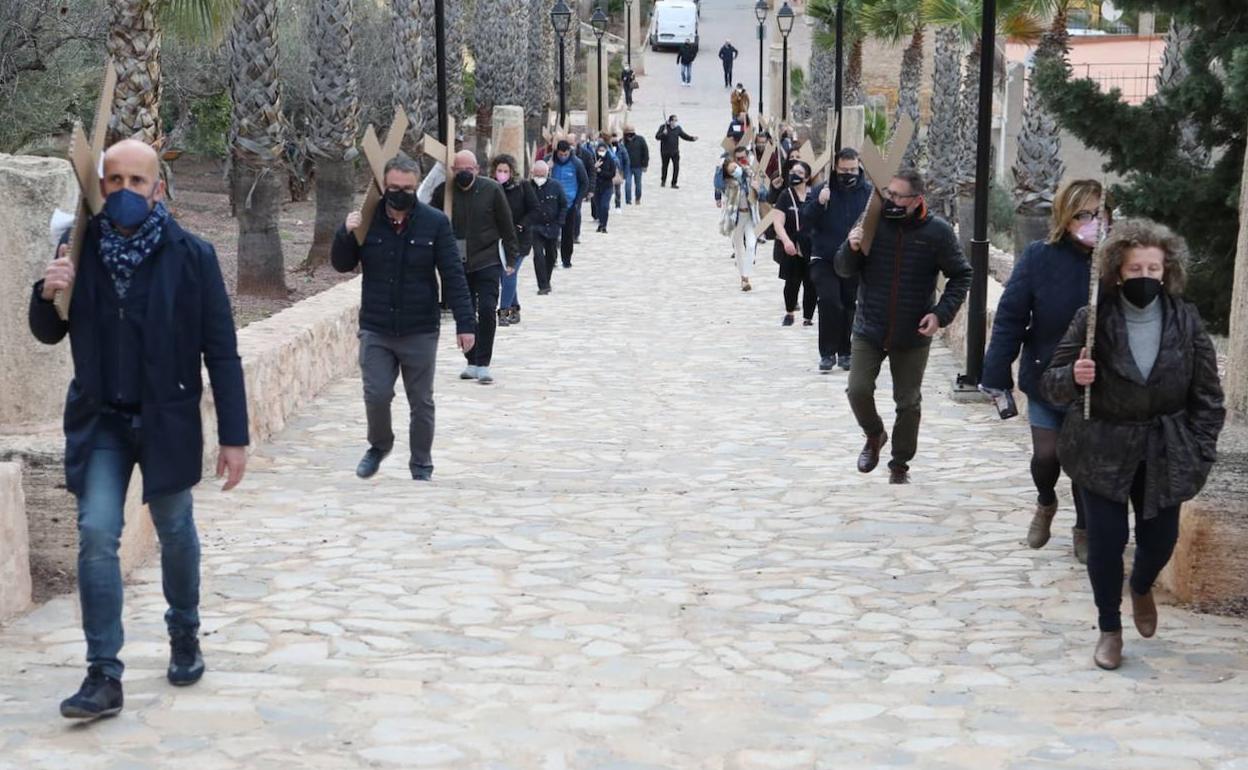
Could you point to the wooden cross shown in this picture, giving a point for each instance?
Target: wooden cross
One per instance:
(85, 155)
(444, 154)
(821, 165)
(378, 155)
(880, 173)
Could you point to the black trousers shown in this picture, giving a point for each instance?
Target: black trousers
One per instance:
(483, 285)
(799, 280)
(1108, 532)
(545, 254)
(571, 226)
(837, 299)
(728, 73)
(674, 160)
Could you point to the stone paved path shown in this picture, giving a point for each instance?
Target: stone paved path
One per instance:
(646, 547)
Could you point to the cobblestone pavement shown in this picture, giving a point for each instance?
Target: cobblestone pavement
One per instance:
(645, 547)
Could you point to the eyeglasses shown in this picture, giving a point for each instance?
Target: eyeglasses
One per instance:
(1085, 216)
(897, 197)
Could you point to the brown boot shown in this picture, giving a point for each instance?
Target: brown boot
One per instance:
(1108, 653)
(1080, 537)
(1041, 528)
(1145, 611)
(870, 456)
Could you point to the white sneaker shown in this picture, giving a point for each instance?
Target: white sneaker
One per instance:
(483, 375)
(469, 373)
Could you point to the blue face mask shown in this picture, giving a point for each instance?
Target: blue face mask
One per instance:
(126, 209)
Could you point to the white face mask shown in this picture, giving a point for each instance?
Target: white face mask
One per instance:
(539, 180)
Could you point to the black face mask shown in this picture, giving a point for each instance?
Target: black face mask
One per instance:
(1141, 291)
(795, 180)
(893, 210)
(400, 200)
(847, 180)
(464, 178)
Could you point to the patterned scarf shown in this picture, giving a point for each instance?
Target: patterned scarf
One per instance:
(122, 255)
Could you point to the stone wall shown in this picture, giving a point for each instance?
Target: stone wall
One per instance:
(32, 375)
(14, 550)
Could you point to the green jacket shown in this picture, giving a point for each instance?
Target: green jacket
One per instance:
(482, 216)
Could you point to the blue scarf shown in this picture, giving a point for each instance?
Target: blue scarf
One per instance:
(122, 255)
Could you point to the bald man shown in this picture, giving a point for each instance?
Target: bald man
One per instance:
(481, 219)
(149, 309)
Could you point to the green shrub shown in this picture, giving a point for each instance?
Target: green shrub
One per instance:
(211, 126)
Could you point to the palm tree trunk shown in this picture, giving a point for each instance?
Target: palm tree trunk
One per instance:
(406, 24)
(1038, 166)
(968, 124)
(257, 133)
(908, 93)
(942, 138)
(854, 93)
(134, 39)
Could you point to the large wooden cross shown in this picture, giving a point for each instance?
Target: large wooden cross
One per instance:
(821, 166)
(444, 154)
(881, 172)
(378, 155)
(85, 157)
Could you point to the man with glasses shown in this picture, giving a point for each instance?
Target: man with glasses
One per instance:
(409, 246)
(896, 318)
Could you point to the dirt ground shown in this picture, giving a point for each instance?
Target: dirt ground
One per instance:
(201, 204)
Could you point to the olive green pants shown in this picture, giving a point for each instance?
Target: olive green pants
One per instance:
(907, 368)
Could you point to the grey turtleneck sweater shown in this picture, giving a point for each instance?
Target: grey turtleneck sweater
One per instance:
(1144, 333)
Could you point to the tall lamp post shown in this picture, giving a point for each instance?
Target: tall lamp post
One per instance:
(977, 321)
(760, 13)
(599, 22)
(561, 20)
(439, 35)
(840, 66)
(784, 20)
(628, 32)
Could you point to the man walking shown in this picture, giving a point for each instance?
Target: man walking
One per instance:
(570, 173)
(688, 52)
(546, 224)
(896, 318)
(727, 55)
(149, 308)
(669, 136)
(639, 161)
(739, 100)
(408, 248)
(486, 237)
(835, 208)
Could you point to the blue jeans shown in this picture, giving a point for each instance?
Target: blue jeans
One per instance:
(115, 451)
(508, 299)
(603, 198)
(632, 179)
(686, 73)
(1041, 414)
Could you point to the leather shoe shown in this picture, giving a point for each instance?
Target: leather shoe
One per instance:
(870, 456)
(1145, 611)
(370, 462)
(899, 475)
(1108, 653)
(1041, 525)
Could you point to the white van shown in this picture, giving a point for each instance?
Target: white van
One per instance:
(672, 23)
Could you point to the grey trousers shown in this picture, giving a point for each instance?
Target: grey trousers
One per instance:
(382, 358)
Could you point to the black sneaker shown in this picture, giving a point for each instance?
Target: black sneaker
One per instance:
(826, 364)
(99, 696)
(543, 292)
(186, 663)
(370, 462)
(845, 362)
(422, 472)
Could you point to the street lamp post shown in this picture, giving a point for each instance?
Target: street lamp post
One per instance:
(561, 20)
(977, 321)
(439, 34)
(599, 22)
(784, 20)
(760, 13)
(628, 32)
(840, 66)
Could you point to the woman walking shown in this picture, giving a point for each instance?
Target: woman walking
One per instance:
(1157, 410)
(739, 218)
(1048, 286)
(604, 171)
(793, 253)
(522, 200)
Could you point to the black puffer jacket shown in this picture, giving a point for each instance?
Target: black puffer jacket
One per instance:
(401, 271)
(899, 280)
(522, 199)
(638, 151)
(1170, 422)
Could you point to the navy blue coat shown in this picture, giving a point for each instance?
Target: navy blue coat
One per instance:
(829, 226)
(188, 321)
(1048, 286)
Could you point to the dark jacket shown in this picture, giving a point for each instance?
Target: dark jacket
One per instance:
(605, 169)
(522, 199)
(572, 177)
(898, 280)
(1048, 286)
(791, 204)
(736, 130)
(585, 153)
(188, 325)
(399, 292)
(482, 216)
(546, 221)
(669, 139)
(1169, 422)
(728, 52)
(687, 53)
(829, 226)
(638, 151)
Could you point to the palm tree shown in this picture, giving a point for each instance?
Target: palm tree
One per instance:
(894, 21)
(135, 33)
(424, 112)
(406, 24)
(500, 60)
(942, 133)
(540, 80)
(1173, 70)
(334, 122)
(1038, 167)
(456, 27)
(821, 85)
(257, 134)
